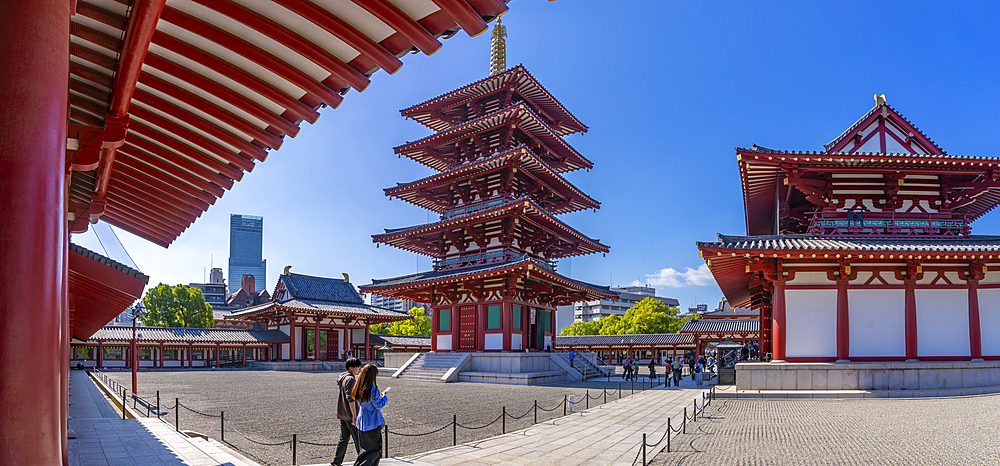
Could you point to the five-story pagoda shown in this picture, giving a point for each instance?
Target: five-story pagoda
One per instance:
(500, 156)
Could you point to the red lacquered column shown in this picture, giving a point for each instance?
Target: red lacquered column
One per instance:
(843, 323)
(778, 321)
(34, 78)
(910, 322)
(975, 336)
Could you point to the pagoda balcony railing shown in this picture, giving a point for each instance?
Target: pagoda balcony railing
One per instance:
(477, 258)
(477, 207)
(890, 224)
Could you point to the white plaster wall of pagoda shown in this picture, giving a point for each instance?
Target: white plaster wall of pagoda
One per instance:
(811, 323)
(298, 338)
(548, 342)
(877, 323)
(515, 341)
(358, 335)
(942, 323)
(810, 278)
(444, 342)
(929, 278)
(989, 320)
(889, 277)
(991, 278)
(494, 341)
(872, 145)
(892, 146)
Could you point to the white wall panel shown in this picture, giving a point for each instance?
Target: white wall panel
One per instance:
(298, 344)
(810, 278)
(989, 321)
(515, 341)
(811, 323)
(942, 323)
(443, 342)
(494, 341)
(877, 323)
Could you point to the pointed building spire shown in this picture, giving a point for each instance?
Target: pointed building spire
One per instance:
(498, 49)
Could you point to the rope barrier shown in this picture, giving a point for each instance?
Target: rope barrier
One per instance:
(198, 412)
(318, 444)
(523, 415)
(425, 433)
(254, 441)
(553, 408)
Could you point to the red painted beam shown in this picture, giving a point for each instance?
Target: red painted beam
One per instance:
(202, 124)
(464, 15)
(87, 89)
(294, 106)
(147, 163)
(263, 137)
(186, 150)
(90, 74)
(153, 229)
(234, 98)
(488, 7)
(142, 19)
(345, 32)
(79, 116)
(257, 55)
(152, 196)
(406, 26)
(87, 105)
(241, 159)
(156, 156)
(148, 180)
(290, 39)
(92, 56)
(168, 221)
(136, 229)
(96, 37)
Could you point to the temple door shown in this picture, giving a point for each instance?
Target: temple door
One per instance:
(332, 344)
(467, 328)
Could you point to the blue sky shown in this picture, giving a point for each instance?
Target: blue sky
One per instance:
(668, 90)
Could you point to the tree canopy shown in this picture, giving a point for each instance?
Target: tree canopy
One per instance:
(418, 326)
(176, 306)
(647, 316)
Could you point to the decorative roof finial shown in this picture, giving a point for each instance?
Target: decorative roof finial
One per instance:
(498, 48)
(288, 270)
(879, 100)
(347, 278)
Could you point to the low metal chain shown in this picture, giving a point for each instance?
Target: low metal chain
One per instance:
(419, 435)
(317, 444)
(252, 440)
(198, 412)
(553, 408)
(523, 415)
(482, 426)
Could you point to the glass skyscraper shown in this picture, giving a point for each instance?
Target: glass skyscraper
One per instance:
(246, 234)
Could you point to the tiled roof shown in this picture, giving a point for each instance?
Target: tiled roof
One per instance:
(756, 148)
(650, 339)
(731, 312)
(321, 288)
(974, 243)
(399, 340)
(721, 326)
(446, 274)
(190, 335)
(357, 309)
(108, 262)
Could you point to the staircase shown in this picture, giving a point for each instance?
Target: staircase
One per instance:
(583, 364)
(431, 366)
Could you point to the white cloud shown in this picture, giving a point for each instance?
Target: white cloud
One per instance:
(671, 278)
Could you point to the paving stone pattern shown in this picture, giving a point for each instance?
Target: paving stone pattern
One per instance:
(270, 406)
(930, 431)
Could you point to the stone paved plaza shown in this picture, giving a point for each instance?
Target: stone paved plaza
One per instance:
(928, 431)
(270, 406)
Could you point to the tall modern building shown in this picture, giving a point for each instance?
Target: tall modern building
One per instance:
(246, 233)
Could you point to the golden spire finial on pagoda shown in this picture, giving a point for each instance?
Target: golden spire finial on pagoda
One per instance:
(498, 49)
(879, 100)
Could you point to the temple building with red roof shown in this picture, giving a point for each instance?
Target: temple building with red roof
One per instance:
(863, 252)
(500, 156)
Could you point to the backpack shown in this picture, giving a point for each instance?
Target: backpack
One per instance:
(697, 368)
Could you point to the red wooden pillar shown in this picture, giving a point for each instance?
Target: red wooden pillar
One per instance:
(100, 355)
(161, 354)
(843, 323)
(910, 316)
(456, 324)
(778, 320)
(368, 341)
(191, 355)
(218, 350)
(245, 353)
(34, 61)
(291, 340)
(481, 318)
(506, 323)
(975, 335)
(435, 325)
(315, 342)
(765, 328)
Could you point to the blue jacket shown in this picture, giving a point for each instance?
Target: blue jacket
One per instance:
(370, 412)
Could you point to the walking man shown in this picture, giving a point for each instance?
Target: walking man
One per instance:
(677, 366)
(347, 410)
(572, 356)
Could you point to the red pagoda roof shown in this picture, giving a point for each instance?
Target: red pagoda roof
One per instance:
(170, 103)
(427, 239)
(433, 192)
(764, 173)
(518, 78)
(101, 289)
(892, 117)
(438, 151)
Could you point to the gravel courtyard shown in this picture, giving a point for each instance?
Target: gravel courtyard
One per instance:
(270, 406)
(938, 431)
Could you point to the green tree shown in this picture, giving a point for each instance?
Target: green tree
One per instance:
(418, 326)
(176, 306)
(647, 316)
